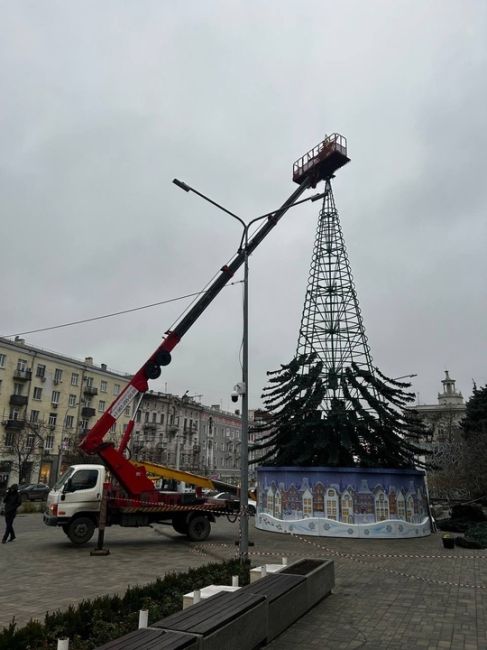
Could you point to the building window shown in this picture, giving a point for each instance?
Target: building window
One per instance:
(347, 508)
(55, 397)
(18, 389)
(381, 507)
(41, 370)
(72, 400)
(49, 443)
(331, 504)
(0, 385)
(69, 421)
(116, 389)
(307, 504)
(103, 387)
(52, 419)
(101, 406)
(29, 442)
(9, 439)
(58, 375)
(37, 394)
(154, 417)
(162, 418)
(84, 425)
(409, 508)
(74, 379)
(3, 358)
(401, 507)
(14, 414)
(34, 416)
(22, 365)
(89, 382)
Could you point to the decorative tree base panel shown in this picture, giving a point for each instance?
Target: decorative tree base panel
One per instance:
(343, 502)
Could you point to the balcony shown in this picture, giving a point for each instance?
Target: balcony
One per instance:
(25, 375)
(150, 426)
(90, 390)
(87, 411)
(18, 400)
(13, 425)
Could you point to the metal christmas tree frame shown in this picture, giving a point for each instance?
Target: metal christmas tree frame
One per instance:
(331, 323)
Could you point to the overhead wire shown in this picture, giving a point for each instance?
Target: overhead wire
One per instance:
(113, 314)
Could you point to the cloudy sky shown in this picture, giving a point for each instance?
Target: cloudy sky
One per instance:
(104, 103)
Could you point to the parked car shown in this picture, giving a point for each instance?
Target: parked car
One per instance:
(228, 496)
(34, 492)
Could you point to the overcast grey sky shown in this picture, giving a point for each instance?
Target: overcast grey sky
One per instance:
(104, 103)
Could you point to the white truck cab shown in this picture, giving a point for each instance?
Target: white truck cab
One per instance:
(74, 502)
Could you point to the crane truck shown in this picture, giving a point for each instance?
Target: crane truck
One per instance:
(125, 488)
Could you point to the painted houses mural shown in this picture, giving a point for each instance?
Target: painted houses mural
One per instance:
(343, 496)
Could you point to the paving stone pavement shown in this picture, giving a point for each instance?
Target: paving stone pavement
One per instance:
(389, 594)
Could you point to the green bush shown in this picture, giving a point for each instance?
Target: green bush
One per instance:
(475, 536)
(97, 621)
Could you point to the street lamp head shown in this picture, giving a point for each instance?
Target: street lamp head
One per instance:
(180, 184)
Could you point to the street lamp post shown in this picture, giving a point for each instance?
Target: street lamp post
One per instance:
(244, 443)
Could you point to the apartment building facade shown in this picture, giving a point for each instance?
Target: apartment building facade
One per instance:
(183, 433)
(47, 403)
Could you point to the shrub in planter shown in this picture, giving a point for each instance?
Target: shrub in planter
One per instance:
(475, 536)
(468, 511)
(94, 622)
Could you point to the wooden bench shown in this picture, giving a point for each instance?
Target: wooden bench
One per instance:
(150, 639)
(226, 621)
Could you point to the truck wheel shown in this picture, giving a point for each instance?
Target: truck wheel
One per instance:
(80, 530)
(198, 528)
(180, 525)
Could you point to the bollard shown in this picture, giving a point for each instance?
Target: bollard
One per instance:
(143, 618)
(196, 596)
(234, 581)
(63, 644)
(263, 570)
(284, 561)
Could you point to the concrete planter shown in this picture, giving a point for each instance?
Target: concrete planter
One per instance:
(320, 578)
(287, 600)
(448, 541)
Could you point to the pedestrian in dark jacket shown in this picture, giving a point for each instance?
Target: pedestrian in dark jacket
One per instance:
(12, 501)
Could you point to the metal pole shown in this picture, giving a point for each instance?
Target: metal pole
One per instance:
(99, 550)
(244, 444)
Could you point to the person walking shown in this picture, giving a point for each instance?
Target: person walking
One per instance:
(12, 501)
